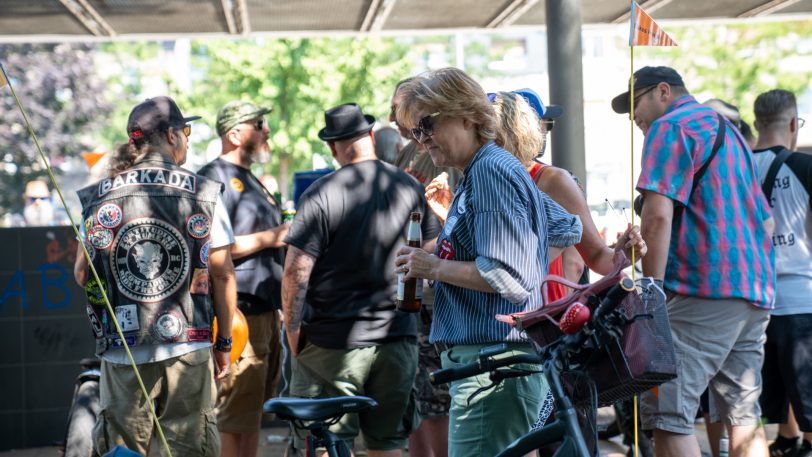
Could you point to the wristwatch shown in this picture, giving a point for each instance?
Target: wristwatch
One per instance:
(223, 344)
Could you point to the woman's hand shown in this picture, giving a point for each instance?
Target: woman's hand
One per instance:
(416, 263)
(439, 196)
(632, 238)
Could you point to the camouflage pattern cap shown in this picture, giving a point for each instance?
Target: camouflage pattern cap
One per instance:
(237, 112)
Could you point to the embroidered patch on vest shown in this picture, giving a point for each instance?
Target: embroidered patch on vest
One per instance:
(127, 317)
(200, 281)
(237, 185)
(88, 224)
(100, 237)
(150, 260)
(198, 334)
(204, 253)
(95, 323)
(94, 293)
(116, 341)
(179, 180)
(198, 225)
(109, 215)
(169, 326)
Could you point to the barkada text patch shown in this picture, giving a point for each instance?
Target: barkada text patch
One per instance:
(149, 177)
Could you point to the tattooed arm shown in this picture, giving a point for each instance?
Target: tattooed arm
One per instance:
(298, 266)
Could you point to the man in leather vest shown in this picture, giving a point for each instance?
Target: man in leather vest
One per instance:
(158, 236)
(258, 258)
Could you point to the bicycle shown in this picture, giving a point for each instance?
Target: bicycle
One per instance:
(316, 416)
(564, 356)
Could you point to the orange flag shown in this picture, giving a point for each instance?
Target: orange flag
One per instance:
(644, 31)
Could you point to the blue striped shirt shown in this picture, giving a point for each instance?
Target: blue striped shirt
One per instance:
(500, 220)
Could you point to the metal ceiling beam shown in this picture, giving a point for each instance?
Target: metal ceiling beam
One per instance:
(369, 17)
(768, 8)
(511, 13)
(89, 17)
(382, 15)
(650, 6)
(229, 15)
(241, 16)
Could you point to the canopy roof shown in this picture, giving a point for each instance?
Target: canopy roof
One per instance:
(38, 20)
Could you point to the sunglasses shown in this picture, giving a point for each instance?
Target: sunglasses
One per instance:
(801, 122)
(639, 96)
(548, 124)
(258, 124)
(34, 199)
(186, 129)
(425, 128)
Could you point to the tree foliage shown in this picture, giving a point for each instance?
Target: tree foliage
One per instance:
(737, 62)
(63, 98)
(299, 78)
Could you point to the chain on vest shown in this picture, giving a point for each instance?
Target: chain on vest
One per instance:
(147, 232)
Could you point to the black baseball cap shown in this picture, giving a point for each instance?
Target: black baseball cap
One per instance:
(647, 77)
(156, 115)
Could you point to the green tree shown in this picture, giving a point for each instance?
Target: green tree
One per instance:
(63, 98)
(736, 62)
(299, 78)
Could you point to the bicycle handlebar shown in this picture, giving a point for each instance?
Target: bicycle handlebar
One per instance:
(479, 367)
(487, 363)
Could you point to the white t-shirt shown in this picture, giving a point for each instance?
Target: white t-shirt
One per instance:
(792, 239)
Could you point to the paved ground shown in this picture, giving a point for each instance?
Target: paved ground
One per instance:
(276, 445)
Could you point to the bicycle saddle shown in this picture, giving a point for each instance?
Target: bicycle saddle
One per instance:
(317, 409)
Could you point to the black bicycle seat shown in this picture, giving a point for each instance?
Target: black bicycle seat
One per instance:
(317, 409)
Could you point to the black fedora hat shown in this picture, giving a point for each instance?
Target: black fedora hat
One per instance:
(345, 121)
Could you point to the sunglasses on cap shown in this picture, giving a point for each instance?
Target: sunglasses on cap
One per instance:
(425, 128)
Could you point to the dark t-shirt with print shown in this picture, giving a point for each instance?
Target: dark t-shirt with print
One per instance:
(354, 221)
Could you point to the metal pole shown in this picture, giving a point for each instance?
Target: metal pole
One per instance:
(566, 84)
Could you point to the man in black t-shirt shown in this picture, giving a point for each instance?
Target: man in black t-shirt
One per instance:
(342, 246)
(258, 259)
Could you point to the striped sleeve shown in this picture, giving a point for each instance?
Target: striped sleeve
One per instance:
(563, 229)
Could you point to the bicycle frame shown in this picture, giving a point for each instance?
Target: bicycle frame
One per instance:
(564, 428)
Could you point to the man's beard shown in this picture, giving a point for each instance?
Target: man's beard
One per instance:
(39, 215)
(254, 151)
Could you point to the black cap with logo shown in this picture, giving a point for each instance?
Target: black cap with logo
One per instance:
(647, 77)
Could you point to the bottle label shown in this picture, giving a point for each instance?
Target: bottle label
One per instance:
(414, 233)
(418, 290)
(402, 287)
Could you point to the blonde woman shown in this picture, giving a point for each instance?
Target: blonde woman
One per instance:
(490, 257)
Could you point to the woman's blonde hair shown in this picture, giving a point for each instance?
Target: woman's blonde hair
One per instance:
(451, 92)
(518, 127)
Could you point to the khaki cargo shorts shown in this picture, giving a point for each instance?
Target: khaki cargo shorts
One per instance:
(719, 344)
(182, 389)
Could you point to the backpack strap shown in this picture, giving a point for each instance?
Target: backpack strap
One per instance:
(769, 182)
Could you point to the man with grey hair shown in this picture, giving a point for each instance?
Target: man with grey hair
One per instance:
(787, 184)
(387, 144)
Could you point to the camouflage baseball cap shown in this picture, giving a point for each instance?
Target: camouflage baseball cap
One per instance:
(237, 112)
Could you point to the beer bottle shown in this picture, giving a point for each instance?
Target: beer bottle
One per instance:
(410, 293)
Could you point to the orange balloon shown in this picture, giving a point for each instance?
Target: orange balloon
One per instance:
(239, 334)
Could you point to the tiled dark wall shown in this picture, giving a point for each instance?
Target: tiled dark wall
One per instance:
(43, 334)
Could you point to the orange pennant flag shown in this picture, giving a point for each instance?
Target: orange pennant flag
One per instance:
(644, 31)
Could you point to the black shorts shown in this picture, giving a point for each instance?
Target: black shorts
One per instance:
(787, 371)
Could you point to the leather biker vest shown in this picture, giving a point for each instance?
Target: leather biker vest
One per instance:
(147, 232)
